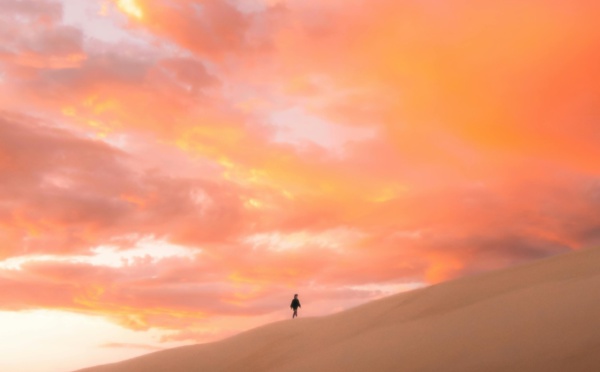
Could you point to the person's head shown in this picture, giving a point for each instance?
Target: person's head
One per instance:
(296, 295)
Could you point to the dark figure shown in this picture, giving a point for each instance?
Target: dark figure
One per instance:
(295, 305)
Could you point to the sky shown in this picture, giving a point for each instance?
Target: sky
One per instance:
(173, 171)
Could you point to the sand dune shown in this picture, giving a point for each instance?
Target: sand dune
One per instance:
(543, 316)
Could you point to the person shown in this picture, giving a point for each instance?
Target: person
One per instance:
(295, 305)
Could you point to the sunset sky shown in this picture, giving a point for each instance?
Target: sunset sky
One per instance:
(173, 171)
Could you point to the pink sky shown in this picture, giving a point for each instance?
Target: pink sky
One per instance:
(173, 171)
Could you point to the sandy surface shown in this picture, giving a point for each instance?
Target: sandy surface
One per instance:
(543, 316)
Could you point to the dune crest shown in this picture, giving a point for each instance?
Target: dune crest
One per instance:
(541, 316)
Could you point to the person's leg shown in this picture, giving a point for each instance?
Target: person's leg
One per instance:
(295, 313)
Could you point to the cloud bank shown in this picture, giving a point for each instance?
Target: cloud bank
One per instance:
(288, 146)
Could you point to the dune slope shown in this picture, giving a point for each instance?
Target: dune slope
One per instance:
(542, 316)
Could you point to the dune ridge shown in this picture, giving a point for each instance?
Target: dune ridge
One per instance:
(540, 316)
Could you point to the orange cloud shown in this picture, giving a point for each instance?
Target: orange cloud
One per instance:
(479, 151)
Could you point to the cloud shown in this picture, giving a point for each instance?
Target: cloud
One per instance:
(43, 11)
(32, 38)
(465, 140)
(67, 194)
(210, 29)
(130, 346)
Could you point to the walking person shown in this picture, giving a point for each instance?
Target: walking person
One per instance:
(295, 305)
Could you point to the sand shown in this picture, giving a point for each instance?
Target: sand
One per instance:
(543, 316)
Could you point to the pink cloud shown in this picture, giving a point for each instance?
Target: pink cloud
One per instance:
(481, 153)
(32, 38)
(42, 10)
(210, 29)
(130, 346)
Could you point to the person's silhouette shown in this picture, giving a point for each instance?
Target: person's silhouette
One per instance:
(295, 305)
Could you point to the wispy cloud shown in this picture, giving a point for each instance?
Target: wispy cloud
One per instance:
(130, 346)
